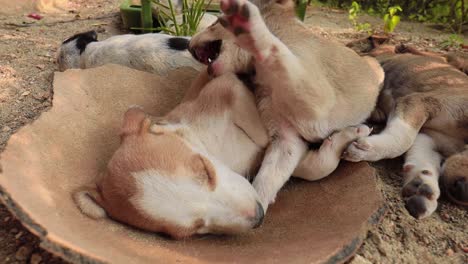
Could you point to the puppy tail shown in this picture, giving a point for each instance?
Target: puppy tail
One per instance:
(89, 201)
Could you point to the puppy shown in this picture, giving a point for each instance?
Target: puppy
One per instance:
(187, 172)
(458, 60)
(155, 53)
(306, 86)
(425, 99)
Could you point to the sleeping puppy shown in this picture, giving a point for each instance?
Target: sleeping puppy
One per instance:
(187, 172)
(306, 86)
(457, 59)
(425, 99)
(155, 53)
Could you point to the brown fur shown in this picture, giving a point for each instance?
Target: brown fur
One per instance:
(424, 88)
(431, 94)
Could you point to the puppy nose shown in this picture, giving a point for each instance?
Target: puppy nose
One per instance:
(459, 190)
(259, 215)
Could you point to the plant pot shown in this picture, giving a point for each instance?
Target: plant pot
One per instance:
(130, 11)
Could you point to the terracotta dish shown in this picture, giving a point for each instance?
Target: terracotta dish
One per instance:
(311, 222)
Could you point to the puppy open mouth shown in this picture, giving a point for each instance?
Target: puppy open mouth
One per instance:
(208, 52)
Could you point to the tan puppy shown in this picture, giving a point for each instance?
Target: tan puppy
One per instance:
(306, 86)
(186, 173)
(426, 101)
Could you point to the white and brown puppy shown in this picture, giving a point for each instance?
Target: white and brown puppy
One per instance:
(306, 86)
(155, 53)
(425, 99)
(187, 173)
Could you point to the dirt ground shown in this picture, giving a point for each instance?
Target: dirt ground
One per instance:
(27, 50)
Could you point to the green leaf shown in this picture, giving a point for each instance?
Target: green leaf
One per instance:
(161, 4)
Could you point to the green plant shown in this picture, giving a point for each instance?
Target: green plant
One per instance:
(192, 14)
(391, 19)
(353, 15)
(301, 6)
(452, 14)
(170, 23)
(453, 41)
(146, 16)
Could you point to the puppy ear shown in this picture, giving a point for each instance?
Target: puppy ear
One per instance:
(134, 121)
(82, 39)
(161, 126)
(89, 200)
(205, 170)
(408, 167)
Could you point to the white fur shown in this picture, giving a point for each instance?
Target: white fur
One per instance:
(88, 206)
(321, 163)
(219, 142)
(422, 156)
(182, 201)
(178, 200)
(146, 52)
(281, 158)
(395, 140)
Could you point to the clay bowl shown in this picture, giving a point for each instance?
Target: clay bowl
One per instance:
(311, 222)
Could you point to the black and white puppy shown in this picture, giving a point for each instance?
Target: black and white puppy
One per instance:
(155, 53)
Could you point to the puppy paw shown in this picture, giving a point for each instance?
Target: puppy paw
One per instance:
(420, 197)
(243, 19)
(359, 150)
(343, 138)
(363, 131)
(237, 16)
(265, 193)
(419, 206)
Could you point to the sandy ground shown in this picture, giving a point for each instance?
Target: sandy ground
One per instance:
(27, 50)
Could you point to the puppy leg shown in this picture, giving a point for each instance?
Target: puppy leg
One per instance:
(244, 20)
(246, 115)
(281, 157)
(319, 164)
(421, 170)
(196, 86)
(281, 78)
(402, 48)
(410, 114)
